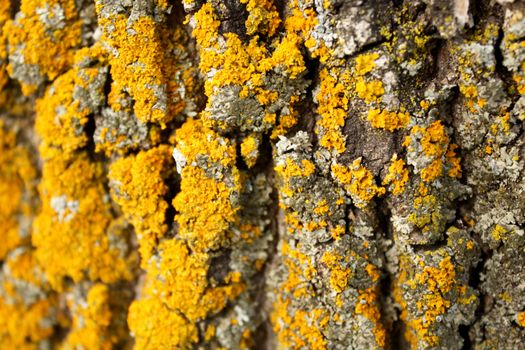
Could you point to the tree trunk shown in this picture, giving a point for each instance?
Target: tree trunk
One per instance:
(260, 174)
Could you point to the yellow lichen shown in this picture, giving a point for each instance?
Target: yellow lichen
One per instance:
(17, 176)
(143, 64)
(365, 63)
(50, 49)
(339, 275)
(369, 91)
(138, 187)
(333, 99)
(397, 176)
(368, 306)
(205, 209)
(383, 119)
(91, 322)
(358, 182)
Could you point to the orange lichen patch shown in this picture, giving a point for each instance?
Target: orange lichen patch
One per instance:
(339, 275)
(300, 271)
(365, 63)
(322, 207)
(304, 168)
(246, 65)
(454, 161)
(195, 141)
(302, 330)
(438, 285)
(61, 120)
(470, 91)
(358, 182)
(368, 306)
(332, 98)
(48, 48)
(373, 272)
(502, 125)
(520, 319)
(62, 116)
(178, 282)
(397, 176)
(206, 212)
(70, 232)
(155, 326)
(204, 204)
(181, 281)
(426, 216)
(262, 17)
(91, 321)
(499, 233)
(23, 266)
(22, 326)
(435, 139)
(250, 150)
(143, 64)
(437, 148)
(300, 23)
(17, 176)
(24, 321)
(383, 119)
(5, 15)
(138, 186)
(369, 91)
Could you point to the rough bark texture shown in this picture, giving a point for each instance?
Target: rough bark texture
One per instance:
(262, 174)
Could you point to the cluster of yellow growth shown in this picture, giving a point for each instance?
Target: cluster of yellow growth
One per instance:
(365, 63)
(155, 326)
(144, 65)
(64, 118)
(472, 101)
(138, 187)
(358, 182)
(332, 99)
(71, 232)
(499, 233)
(500, 126)
(425, 216)
(437, 289)
(250, 150)
(302, 330)
(178, 290)
(368, 306)
(5, 7)
(436, 147)
(397, 176)
(49, 48)
(17, 176)
(178, 282)
(520, 319)
(262, 17)
(23, 323)
(247, 64)
(383, 119)
(204, 204)
(369, 91)
(339, 275)
(409, 47)
(300, 271)
(292, 168)
(90, 328)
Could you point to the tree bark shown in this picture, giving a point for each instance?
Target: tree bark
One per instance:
(259, 174)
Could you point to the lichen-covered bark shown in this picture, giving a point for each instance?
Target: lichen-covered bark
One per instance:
(262, 174)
